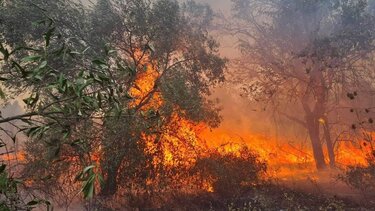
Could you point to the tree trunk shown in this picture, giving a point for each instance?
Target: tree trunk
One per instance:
(110, 181)
(330, 147)
(317, 89)
(313, 129)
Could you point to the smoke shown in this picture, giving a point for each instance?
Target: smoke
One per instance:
(242, 115)
(9, 132)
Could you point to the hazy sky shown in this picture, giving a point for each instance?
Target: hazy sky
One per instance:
(227, 47)
(217, 4)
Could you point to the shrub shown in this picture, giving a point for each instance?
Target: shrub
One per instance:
(229, 171)
(362, 178)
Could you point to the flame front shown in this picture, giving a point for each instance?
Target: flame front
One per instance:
(182, 142)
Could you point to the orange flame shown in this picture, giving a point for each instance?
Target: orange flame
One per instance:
(284, 159)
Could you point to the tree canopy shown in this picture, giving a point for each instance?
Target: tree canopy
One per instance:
(101, 79)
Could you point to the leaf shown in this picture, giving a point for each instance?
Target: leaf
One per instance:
(48, 35)
(43, 65)
(33, 202)
(2, 94)
(100, 63)
(84, 51)
(38, 77)
(66, 134)
(37, 131)
(88, 190)
(31, 58)
(88, 177)
(111, 51)
(73, 53)
(25, 48)
(32, 131)
(108, 51)
(100, 179)
(31, 101)
(87, 169)
(4, 51)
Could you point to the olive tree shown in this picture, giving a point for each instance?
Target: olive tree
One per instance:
(173, 41)
(87, 74)
(64, 85)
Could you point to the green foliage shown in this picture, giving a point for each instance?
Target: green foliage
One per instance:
(23, 21)
(58, 93)
(89, 178)
(77, 66)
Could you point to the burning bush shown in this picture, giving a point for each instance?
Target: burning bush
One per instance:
(229, 168)
(362, 177)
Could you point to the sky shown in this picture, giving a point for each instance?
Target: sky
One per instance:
(227, 43)
(217, 4)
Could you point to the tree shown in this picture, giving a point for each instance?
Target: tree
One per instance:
(113, 89)
(308, 55)
(174, 62)
(66, 87)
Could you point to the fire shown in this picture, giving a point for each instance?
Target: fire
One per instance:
(181, 140)
(350, 153)
(178, 137)
(284, 159)
(144, 86)
(178, 141)
(13, 156)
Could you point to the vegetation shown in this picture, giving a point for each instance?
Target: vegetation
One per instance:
(315, 57)
(362, 178)
(95, 109)
(231, 169)
(115, 93)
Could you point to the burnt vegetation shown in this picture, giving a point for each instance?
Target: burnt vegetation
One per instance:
(115, 95)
